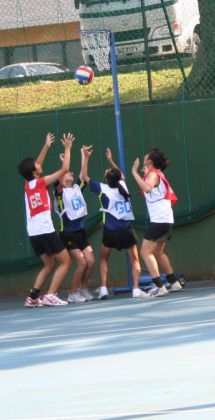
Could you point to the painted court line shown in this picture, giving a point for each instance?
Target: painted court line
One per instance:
(118, 330)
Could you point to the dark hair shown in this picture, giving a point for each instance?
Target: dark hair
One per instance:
(113, 176)
(26, 168)
(160, 161)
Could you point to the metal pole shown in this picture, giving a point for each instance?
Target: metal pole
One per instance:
(119, 139)
(117, 103)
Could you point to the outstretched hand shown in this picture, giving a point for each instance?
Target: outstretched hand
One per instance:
(67, 140)
(135, 166)
(87, 151)
(50, 138)
(109, 155)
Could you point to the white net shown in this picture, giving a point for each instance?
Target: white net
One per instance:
(98, 45)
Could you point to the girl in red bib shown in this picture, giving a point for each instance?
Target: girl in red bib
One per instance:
(159, 198)
(44, 240)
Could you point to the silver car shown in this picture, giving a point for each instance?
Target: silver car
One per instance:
(22, 70)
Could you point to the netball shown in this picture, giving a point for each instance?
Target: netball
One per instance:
(84, 75)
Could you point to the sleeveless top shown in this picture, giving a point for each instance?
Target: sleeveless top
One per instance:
(73, 203)
(71, 207)
(160, 199)
(117, 206)
(38, 207)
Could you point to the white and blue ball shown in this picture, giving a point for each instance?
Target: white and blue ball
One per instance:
(84, 75)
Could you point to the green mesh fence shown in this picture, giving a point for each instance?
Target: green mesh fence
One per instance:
(165, 66)
(165, 50)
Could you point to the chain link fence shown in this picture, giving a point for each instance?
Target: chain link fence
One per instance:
(164, 50)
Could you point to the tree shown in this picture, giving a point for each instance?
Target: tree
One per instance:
(201, 80)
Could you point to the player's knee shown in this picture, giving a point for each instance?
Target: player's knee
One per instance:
(66, 263)
(91, 262)
(82, 263)
(144, 253)
(49, 267)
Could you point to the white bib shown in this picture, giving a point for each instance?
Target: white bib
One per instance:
(73, 203)
(118, 207)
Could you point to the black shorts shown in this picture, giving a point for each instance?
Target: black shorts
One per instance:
(47, 243)
(75, 240)
(119, 239)
(158, 232)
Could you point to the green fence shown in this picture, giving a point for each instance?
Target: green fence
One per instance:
(165, 65)
(184, 130)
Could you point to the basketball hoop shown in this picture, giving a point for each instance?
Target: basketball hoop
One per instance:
(98, 45)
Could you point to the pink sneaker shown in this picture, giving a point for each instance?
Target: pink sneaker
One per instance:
(33, 303)
(53, 300)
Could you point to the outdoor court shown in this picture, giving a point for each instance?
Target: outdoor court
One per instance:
(122, 358)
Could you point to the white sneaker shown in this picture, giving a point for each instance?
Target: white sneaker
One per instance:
(86, 294)
(158, 291)
(167, 285)
(175, 287)
(138, 293)
(153, 288)
(53, 300)
(33, 303)
(76, 297)
(103, 292)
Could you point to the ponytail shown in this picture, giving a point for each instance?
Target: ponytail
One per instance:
(123, 192)
(113, 177)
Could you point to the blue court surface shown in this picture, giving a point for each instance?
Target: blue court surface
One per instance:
(122, 358)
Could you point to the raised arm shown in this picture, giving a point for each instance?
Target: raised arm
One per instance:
(60, 182)
(67, 142)
(49, 140)
(151, 181)
(86, 151)
(111, 161)
(82, 164)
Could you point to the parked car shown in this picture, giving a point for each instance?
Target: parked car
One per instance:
(35, 71)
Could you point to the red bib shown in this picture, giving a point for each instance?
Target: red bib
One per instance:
(38, 197)
(170, 195)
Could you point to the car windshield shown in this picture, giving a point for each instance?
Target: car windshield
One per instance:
(36, 69)
(4, 73)
(12, 71)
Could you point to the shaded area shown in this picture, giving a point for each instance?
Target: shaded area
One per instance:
(119, 359)
(118, 325)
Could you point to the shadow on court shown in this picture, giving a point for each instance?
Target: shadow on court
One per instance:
(192, 409)
(122, 358)
(101, 328)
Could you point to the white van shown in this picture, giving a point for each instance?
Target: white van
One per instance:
(125, 19)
